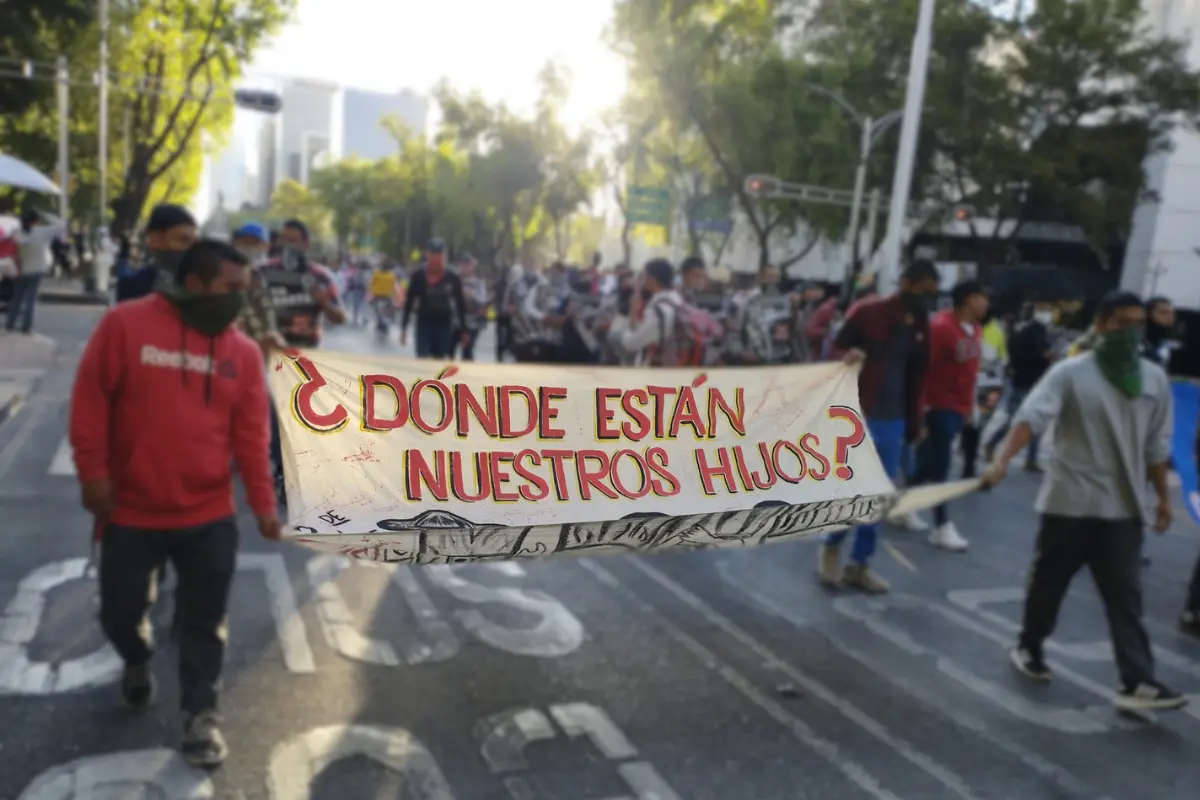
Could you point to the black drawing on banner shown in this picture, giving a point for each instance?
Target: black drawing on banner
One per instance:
(331, 518)
(440, 537)
(305, 529)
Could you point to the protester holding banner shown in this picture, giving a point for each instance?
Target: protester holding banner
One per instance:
(1112, 412)
(153, 366)
(889, 336)
(955, 347)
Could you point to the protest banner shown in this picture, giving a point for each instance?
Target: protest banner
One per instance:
(398, 460)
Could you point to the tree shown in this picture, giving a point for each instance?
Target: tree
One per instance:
(715, 68)
(35, 33)
(1044, 115)
(175, 62)
(344, 189)
(291, 200)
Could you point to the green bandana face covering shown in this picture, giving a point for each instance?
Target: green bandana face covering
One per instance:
(1118, 354)
(209, 314)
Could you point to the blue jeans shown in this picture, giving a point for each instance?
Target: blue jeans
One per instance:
(434, 341)
(22, 302)
(935, 451)
(888, 435)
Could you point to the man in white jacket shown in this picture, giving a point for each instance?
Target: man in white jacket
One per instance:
(33, 240)
(650, 339)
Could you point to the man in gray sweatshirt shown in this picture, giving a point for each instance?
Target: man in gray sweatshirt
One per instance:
(1112, 436)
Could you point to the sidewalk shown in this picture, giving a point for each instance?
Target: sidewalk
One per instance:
(23, 359)
(69, 291)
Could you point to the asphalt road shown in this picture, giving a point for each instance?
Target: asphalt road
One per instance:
(723, 676)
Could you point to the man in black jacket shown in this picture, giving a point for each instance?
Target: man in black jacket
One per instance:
(437, 294)
(1030, 354)
(170, 231)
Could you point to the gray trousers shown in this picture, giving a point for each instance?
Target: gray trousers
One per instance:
(1111, 550)
(205, 558)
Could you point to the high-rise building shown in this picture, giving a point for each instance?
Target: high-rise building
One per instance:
(1161, 256)
(363, 115)
(309, 128)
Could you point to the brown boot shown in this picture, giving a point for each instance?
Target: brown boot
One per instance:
(860, 576)
(829, 571)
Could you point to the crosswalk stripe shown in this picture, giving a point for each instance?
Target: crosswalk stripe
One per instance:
(63, 463)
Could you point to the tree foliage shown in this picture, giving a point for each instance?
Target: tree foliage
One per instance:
(172, 68)
(176, 65)
(1045, 114)
(491, 181)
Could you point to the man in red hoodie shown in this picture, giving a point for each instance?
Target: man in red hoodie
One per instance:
(955, 346)
(167, 395)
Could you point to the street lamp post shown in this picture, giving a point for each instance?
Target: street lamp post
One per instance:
(910, 128)
(872, 130)
(64, 138)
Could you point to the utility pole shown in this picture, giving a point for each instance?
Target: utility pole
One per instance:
(64, 137)
(910, 129)
(103, 126)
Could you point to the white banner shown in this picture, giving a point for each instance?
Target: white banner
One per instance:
(399, 460)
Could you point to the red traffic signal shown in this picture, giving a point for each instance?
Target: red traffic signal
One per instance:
(762, 186)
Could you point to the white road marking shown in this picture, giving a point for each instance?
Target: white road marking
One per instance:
(289, 627)
(557, 633)
(296, 762)
(29, 418)
(149, 773)
(437, 641)
(930, 695)
(842, 762)
(18, 627)
(63, 464)
(1065, 720)
(504, 738)
(943, 775)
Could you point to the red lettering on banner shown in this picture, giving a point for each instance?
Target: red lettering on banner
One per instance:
(368, 388)
(507, 414)
(302, 400)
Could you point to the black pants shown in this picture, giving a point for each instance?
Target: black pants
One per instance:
(205, 558)
(503, 336)
(1193, 601)
(968, 442)
(466, 346)
(1111, 550)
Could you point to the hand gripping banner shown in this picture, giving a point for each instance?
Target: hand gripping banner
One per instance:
(398, 460)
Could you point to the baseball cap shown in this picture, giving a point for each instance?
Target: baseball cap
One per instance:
(252, 230)
(436, 245)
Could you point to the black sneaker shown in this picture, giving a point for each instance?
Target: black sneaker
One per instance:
(1030, 664)
(137, 687)
(1149, 696)
(203, 745)
(1189, 623)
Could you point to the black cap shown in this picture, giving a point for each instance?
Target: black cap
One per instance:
(436, 245)
(168, 215)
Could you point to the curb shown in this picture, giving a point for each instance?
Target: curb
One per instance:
(70, 299)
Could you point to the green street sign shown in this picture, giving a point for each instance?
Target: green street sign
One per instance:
(646, 206)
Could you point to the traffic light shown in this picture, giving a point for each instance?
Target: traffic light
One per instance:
(762, 186)
(258, 100)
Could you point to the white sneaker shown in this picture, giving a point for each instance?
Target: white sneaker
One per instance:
(947, 537)
(912, 521)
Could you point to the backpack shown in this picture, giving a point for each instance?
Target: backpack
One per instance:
(10, 257)
(688, 344)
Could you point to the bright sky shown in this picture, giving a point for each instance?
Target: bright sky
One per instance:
(494, 46)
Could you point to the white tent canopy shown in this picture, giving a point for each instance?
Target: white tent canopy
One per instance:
(16, 173)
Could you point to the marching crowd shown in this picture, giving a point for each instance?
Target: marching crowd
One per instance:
(189, 335)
